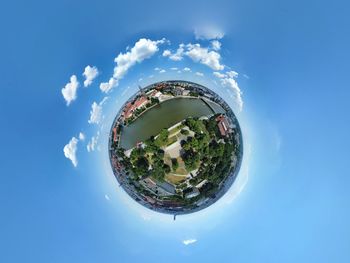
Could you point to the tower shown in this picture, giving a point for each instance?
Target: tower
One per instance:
(143, 93)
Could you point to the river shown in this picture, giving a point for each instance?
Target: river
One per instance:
(162, 116)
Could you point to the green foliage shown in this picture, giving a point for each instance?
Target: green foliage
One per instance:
(154, 100)
(141, 166)
(191, 159)
(174, 164)
(185, 132)
(136, 153)
(162, 138)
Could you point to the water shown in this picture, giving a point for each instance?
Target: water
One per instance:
(162, 116)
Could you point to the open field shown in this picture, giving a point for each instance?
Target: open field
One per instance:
(175, 178)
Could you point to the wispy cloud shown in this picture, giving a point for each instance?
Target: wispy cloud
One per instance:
(219, 75)
(190, 241)
(70, 151)
(96, 112)
(81, 136)
(216, 45)
(91, 146)
(208, 33)
(236, 91)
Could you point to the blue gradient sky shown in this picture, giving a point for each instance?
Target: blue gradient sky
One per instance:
(295, 205)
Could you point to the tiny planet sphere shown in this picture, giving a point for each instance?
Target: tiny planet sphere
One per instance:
(175, 147)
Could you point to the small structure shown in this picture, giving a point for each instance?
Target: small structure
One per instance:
(167, 187)
(115, 137)
(194, 192)
(223, 125)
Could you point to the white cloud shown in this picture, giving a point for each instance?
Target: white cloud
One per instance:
(232, 74)
(157, 69)
(70, 151)
(69, 92)
(208, 33)
(174, 68)
(216, 45)
(143, 49)
(189, 241)
(204, 56)
(219, 75)
(237, 93)
(91, 146)
(166, 53)
(162, 71)
(107, 86)
(96, 112)
(90, 73)
(177, 56)
(199, 74)
(187, 69)
(81, 136)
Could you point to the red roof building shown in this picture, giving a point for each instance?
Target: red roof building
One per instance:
(223, 125)
(130, 108)
(114, 134)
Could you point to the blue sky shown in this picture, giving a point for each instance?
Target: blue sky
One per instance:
(291, 203)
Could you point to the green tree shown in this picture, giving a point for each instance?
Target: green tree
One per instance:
(175, 164)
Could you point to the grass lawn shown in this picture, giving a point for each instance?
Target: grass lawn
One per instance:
(181, 170)
(167, 159)
(174, 178)
(171, 140)
(176, 129)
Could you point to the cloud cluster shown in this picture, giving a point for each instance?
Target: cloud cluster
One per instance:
(143, 49)
(176, 56)
(204, 56)
(69, 92)
(197, 53)
(90, 73)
